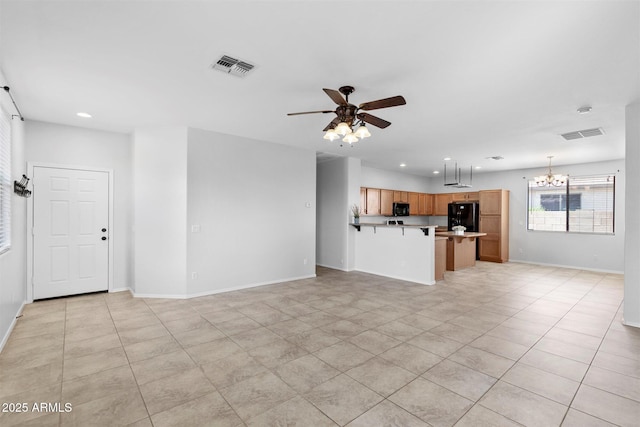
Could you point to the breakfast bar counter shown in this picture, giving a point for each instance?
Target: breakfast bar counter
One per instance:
(402, 251)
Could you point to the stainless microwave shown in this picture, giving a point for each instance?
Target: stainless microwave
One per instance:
(400, 209)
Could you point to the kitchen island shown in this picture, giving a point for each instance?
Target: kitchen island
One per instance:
(461, 249)
(402, 251)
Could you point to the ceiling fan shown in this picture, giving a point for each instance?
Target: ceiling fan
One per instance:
(348, 115)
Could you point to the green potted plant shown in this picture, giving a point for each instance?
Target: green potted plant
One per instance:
(355, 211)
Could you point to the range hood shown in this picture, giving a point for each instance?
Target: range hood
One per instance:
(457, 177)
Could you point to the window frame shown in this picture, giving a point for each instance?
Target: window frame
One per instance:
(567, 195)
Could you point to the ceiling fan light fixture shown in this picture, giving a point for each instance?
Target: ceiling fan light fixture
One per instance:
(350, 138)
(362, 132)
(343, 129)
(331, 135)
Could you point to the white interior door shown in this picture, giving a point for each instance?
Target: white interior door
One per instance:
(70, 232)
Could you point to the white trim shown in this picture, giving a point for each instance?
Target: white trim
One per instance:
(11, 326)
(404, 279)
(114, 290)
(573, 267)
(632, 324)
(30, 168)
(219, 291)
(334, 268)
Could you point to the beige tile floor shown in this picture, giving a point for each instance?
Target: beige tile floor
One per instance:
(495, 345)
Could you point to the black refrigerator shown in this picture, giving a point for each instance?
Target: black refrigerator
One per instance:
(466, 214)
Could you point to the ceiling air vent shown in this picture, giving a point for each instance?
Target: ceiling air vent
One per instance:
(582, 134)
(230, 65)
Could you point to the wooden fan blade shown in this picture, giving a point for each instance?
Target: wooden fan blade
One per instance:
(383, 103)
(335, 96)
(331, 125)
(373, 120)
(310, 112)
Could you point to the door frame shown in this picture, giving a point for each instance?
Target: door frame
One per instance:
(30, 172)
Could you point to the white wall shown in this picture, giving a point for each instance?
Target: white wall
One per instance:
(13, 262)
(332, 213)
(255, 204)
(390, 180)
(160, 211)
(338, 188)
(588, 251)
(632, 198)
(75, 146)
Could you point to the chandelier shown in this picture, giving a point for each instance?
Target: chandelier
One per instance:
(550, 179)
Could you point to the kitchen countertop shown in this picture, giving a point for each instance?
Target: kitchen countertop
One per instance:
(465, 235)
(382, 224)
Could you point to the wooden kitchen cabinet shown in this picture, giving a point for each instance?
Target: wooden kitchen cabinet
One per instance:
(425, 204)
(401, 196)
(414, 203)
(441, 203)
(440, 257)
(494, 220)
(386, 202)
(373, 201)
(465, 197)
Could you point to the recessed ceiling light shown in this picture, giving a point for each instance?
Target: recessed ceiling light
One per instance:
(478, 167)
(584, 110)
(436, 172)
(85, 115)
(446, 159)
(402, 165)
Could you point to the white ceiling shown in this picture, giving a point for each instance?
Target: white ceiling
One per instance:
(481, 78)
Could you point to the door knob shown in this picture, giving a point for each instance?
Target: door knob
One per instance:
(104, 238)
(104, 230)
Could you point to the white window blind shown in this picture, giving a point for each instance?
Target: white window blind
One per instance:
(5, 182)
(586, 204)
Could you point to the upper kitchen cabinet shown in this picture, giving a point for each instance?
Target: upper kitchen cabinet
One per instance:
(372, 201)
(414, 203)
(425, 204)
(441, 203)
(492, 202)
(401, 196)
(386, 202)
(465, 197)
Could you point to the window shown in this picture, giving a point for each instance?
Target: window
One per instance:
(584, 205)
(5, 182)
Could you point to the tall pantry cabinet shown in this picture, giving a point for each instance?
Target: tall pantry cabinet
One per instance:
(494, 220)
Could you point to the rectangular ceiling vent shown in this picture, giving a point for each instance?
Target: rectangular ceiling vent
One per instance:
(233, 66)
(582, 134)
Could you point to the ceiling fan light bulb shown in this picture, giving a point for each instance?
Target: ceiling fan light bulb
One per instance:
(350, 138)
(343, 129)
(363, 132)
(331, 135)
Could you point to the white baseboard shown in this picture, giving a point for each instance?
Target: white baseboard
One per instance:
(573, 267)
(6, 336)
(119, 290)
(633, 324)
(333, 267)
(219, 291)
(397, 277)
